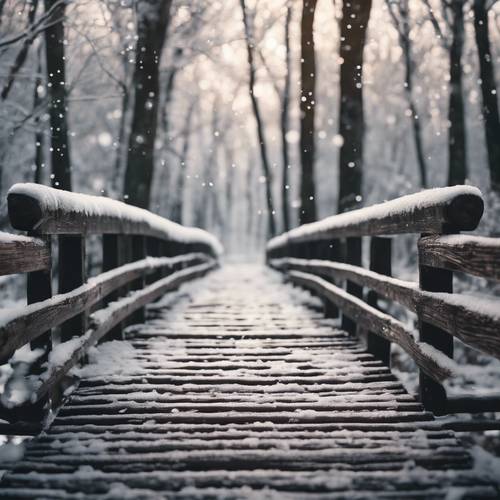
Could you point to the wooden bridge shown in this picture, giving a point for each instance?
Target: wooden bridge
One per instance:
(238, 385)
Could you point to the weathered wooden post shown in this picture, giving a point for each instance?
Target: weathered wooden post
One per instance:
(330, 253)
(353, 255)
(111, 260)
(432, 279)
(138, 253)
(72, 274)
(380, 262)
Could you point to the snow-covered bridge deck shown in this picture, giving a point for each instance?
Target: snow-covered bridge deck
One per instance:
(237, 387)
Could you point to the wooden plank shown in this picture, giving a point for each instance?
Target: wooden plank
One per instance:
(385, 325)
(23, 254)
(33, 321)
(476, 255)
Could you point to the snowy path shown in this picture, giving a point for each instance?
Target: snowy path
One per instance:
(240, 389)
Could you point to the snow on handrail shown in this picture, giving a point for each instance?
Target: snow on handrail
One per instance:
(33, 207)
(458, 207)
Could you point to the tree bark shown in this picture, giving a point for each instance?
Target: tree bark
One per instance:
(56, 89)
(285, 121)
(405, 42)
(152, 24)
(39, 136)
(353, 26)
(259, 123)
(178, 205)
(489, 91)
(307, 210)
(457, 153)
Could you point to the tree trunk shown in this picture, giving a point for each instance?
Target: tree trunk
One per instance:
(152, 24)
(489, 91)
(307, 210)
(178, 205)
(353, 26)
(39, 136)
(56, 89)
(457, 158)
(260, 126)
(405, 41)
(285, 122)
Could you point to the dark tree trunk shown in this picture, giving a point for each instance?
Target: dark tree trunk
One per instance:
(39, 136)
(260, 126)
(488, 91)
(405, 41)
(285, 121)
(56, 89)
(457, 157)
(178, 205)
(353, 26)
(153, 20)
(307, 210)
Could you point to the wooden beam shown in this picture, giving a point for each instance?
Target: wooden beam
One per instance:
(384, 325)
(476, 255)
(36, 319)
(23, 255)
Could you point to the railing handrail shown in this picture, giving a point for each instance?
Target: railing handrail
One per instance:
(143, 257)
(323, 255)
(46, 210)
(434, 211)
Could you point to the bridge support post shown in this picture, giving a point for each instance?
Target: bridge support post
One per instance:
(353, 255)
(380, 262)
(111, 260)
(72, 274)
(330, 250)
(433, 394)
(138, 253)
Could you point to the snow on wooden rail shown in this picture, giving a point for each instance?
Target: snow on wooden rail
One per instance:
(46, 210)
(457, 208)
(23, 324)
(22, 254)
(473, 320)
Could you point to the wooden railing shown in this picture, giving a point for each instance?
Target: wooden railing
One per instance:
(323, 255)
(143, 256)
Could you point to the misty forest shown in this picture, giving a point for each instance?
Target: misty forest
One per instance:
(247, 118)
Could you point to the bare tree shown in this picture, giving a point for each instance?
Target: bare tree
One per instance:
(452, 12)
(250, 44)
(152, 24)
(56, 89)
(307, 210)
(400, 15)
(353, 27)
(488, 89)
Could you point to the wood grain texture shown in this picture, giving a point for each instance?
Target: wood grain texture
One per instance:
(474, 255)
(24, 256)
